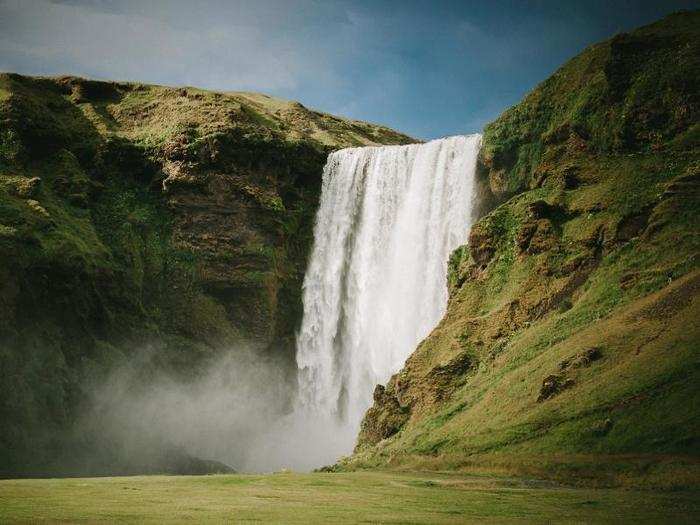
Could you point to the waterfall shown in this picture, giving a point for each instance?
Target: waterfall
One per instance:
(375, 286)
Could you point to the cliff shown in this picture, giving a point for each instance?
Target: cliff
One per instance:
(570, 344)
(133, 216)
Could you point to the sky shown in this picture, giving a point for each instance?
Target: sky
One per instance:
(426, 68)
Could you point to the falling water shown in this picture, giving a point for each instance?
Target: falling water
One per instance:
(375, 286)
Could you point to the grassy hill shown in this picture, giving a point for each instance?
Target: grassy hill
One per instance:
(135, 215)
(571, 343)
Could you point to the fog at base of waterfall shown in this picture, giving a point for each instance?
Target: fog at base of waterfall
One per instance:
(375, 286)
(237, 411)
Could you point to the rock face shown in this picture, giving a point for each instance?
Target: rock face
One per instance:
(134, 214)
(576, 299)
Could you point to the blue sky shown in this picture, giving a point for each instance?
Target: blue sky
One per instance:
(427, 68)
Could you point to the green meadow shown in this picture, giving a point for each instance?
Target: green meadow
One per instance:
(354, 497)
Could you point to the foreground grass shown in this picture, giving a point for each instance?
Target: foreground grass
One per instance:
(332, 497)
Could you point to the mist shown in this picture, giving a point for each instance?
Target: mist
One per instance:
(239, 410)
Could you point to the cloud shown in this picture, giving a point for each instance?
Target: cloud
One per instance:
(167, 43)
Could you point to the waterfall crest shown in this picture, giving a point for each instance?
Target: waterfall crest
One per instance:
(375, 286)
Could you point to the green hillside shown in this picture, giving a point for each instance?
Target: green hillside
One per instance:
(571, 343)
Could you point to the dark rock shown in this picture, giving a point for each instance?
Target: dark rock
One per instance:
(628, 280)
(182, 464)
(603, 427)
(541, 209)
(565, 305)
(581, 359)
(553, 385)
(328, 468)
(379, 393)
(83, 90)
(522, 239)
(571, 179)
(459, 364)
(687, 184)
(536, 236)
(443, 380)
(384, 419)
(482, 244)
(578, 262)
(632, 225)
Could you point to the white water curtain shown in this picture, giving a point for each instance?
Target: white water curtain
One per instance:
(388, 219)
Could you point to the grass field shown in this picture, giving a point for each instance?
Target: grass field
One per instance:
(358, 497)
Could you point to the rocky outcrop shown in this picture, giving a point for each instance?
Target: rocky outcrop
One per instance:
(589, 213)
(384, 419)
